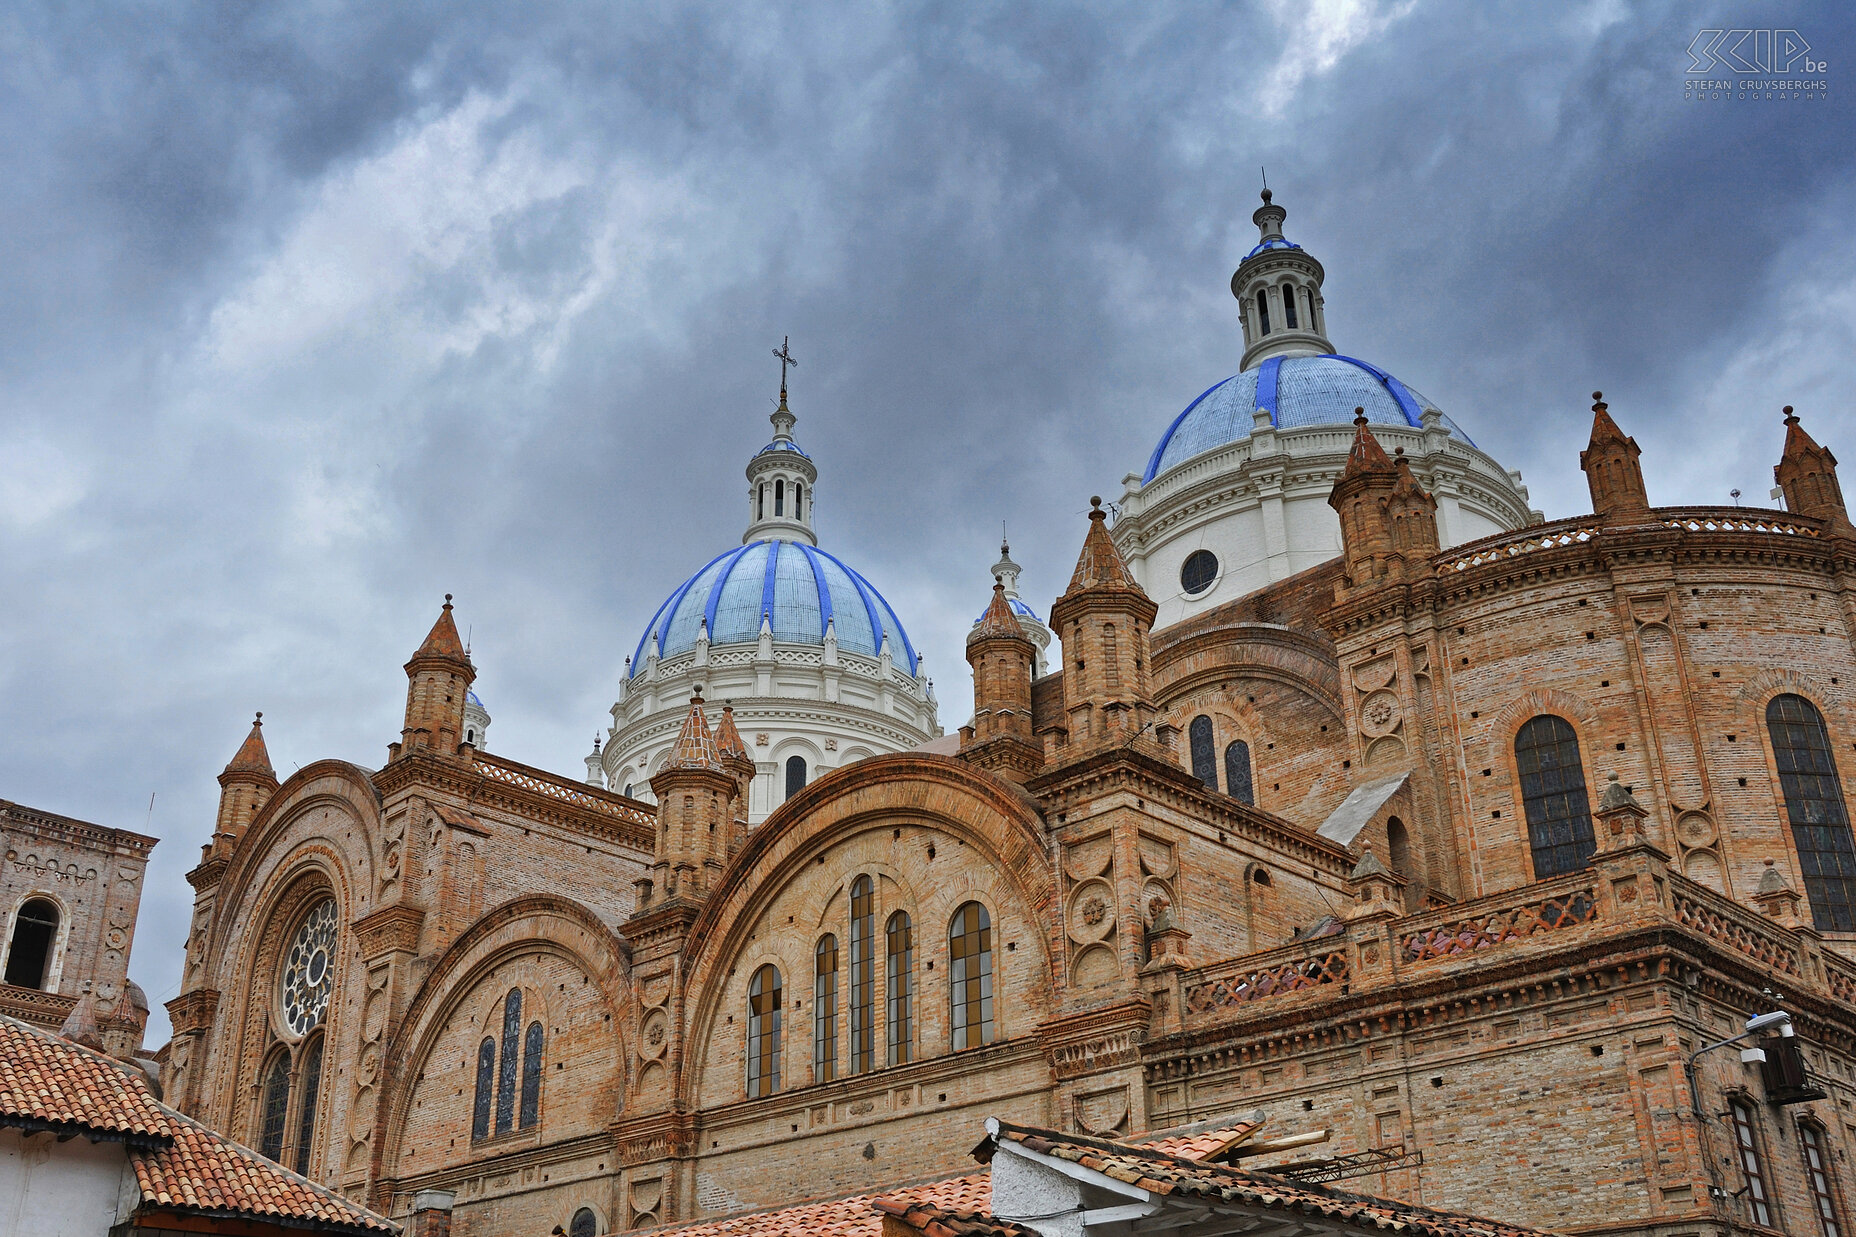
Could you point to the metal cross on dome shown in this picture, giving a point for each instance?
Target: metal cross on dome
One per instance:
(784, 352)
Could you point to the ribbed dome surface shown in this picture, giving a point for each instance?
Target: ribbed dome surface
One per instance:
(1296, 391)
(798, 588)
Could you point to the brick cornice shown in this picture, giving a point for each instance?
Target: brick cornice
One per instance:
(193, 1011)
(209, 873)
(1095, 1040)
(390, 929)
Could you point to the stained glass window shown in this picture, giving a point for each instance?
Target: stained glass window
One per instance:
(899, 936)
(1817, 1175)
(825, 1010)
(1204, 754)
(1814, 802)
(969, 948)
(275, 1105)
(863, 975)
(1237, 772)
(764, 1032)
(531, 1076)
(1559, 820)
(486, 1088)
(1746, 1147)
(311, 1085)
(506, 1072)
(309, 969)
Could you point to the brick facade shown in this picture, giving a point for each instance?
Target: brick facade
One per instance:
(1160, 951)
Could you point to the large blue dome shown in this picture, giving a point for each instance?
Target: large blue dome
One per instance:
(798, 588)
(1295, 391)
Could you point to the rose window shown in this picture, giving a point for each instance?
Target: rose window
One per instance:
(309, 969)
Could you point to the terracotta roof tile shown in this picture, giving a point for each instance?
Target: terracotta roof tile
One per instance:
(998, 619)
(1367, 456)
(1160, 1173)
(1100, 565)
(180, 1165)
(856, 1216)
(252, 757)
(1206, 1143)
(947, 1221)
(695, 748)
(442, 640)
(728, 737)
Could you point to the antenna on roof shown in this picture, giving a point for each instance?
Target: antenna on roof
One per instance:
(151, 810)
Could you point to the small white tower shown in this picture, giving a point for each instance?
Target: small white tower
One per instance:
(476, 722)
(1278, 286)
(781, 479)
(1006, 572)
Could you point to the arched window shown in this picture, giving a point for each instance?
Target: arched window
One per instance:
(531, 1076)
(34, 929)
(799, 498)
(764, 1032)
(506, 1071)
(779, 498)
(1263, 312)
(1817, 1176)
(1237, 772)
(274, 1106)
(825, 1009)
(1814, 802)
(628, 790)
(899, 936)
(969, 951)
(760, 506)
(1204, 758)
(1559, 820)
(795, 775)
(1398, 842)
(1288, 307)
(470, 736)
(486, 1088)
(863, 975)
(311, 1086)
(584, 1224)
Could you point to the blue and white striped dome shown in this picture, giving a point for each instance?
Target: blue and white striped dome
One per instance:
(798, 588)
(1296, 391)
(1018, 607)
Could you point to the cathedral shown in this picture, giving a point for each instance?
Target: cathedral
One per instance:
(1338, 791)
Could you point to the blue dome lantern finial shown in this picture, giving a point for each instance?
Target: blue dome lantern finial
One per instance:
(781, 477)
(1278, 287)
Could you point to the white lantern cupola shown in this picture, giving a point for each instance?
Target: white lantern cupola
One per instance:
(781, 481)
(1278, 286)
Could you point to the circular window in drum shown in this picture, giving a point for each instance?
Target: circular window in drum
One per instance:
(1199, 572)
(309, 969)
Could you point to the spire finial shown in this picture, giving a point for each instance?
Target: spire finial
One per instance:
(1791, 418)
(1598, 401)
(259, 719)
(785, 353)
(1359, 415)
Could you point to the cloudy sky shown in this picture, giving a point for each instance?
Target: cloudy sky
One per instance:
(312, 313)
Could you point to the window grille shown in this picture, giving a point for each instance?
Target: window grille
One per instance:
(506, 1071)
(1204, 762)
(764, 1032)
(306, 1115)
(825, 1010)
(531, 1076)
(275, 1107)
(863, 975)
(1237, 772)
(900, 941)
(486, 1088)
(1559, 819)
(969, 948)
(1814, 803)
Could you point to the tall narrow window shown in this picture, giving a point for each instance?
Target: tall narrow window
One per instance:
(900, 940)
(1746, 1146)
(969, 952)
(34, 930)
(311, 1086)
(863, 975)
(275, 1107)
(825, 1010)
(1263, 312)
(1817, 1176)
(1237, 772)
(760, 506)
(1559, 821)
(1288, 307)
(795, 775)
(1398, 842)
(531, 1076)
(1814, 802)
(779, 498)
(1204, 758)
(506, 1071)
(584, 1224)
(486, 1088)
(764, 1032)
(799, 498)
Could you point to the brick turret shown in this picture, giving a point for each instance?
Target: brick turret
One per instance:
(695, 814)
(438, 680)
(1807, 473)
(735, 759)
(1361, 496)
(1004, 658)
(245, 786)
(1612, 471)
(1103, 620)
(1412, 514)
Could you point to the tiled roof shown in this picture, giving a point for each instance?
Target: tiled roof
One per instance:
(1100, 564)
(442, 640)
(695, 748)
(999, 619)
(180, 1165)
(1367, 456)
(856, 1216)
(251, 756)
(1157, 1172)
(1205, 1143)
(48, 1082)
(946, 1221)
(728, 736)
(201, 1171)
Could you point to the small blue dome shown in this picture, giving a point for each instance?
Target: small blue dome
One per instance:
(470, 697)
(788, 445)
(1019, 608)
(1274, 242)
(798, 588)
(1296, 391)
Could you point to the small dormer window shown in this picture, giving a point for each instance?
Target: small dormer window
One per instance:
(779, 498)
(1288, 307)
(1263, 313)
